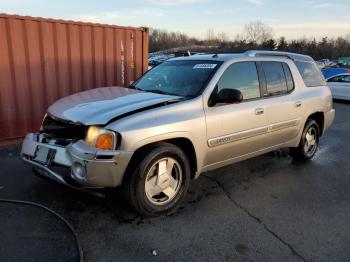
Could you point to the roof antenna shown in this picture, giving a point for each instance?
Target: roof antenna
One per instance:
(215, 56)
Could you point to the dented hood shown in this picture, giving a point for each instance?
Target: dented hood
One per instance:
(98, 106)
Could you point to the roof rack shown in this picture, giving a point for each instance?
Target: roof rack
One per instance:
(292, 56)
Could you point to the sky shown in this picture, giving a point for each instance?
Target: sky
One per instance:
(293, 19)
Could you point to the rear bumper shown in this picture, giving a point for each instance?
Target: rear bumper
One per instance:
(100, 168)
(328, 119)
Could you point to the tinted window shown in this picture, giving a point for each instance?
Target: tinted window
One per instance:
(241, 76)
(310, 73)
(289, 78)
(340, 79)
(276, 82)
(182, 78)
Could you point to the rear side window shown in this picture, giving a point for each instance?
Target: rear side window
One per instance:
(276, 81)
(310, 73)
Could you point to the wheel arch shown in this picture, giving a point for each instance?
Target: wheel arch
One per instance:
(319, 118)
(184, 143)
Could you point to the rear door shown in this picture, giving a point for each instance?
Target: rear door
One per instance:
(283, 107)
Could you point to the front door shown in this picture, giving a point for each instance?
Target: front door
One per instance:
(235, 130)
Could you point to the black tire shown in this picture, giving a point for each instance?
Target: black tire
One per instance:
(134, 186)
(300, 153)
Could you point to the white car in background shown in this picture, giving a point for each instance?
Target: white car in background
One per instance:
(340, 86)
(325, 63)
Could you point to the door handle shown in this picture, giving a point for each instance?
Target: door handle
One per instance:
(298, 104)
(259, 111)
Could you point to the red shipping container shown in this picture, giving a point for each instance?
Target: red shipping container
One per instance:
(42, 60)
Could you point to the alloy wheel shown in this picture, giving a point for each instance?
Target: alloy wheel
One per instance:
(163, 181)
(310, 141)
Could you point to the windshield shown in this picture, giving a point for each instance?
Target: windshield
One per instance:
(185, 78)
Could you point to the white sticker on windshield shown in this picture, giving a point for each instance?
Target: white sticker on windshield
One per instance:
(204, 66)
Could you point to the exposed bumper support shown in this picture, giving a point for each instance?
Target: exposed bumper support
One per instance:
(47, 173)
(100, 168)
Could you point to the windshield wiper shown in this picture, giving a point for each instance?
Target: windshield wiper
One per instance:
(135, 87)
(158, 92)
(151, 90)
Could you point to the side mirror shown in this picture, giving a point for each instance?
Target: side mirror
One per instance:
(227, 96)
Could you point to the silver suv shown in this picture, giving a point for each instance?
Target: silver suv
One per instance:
(184, 117)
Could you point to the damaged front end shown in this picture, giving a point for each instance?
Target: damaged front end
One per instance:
(61, 153)
(64, 132)
(73, 146)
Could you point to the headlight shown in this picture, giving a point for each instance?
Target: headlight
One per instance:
(101, 138)
(42, 122)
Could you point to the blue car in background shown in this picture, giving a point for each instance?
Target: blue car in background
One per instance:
(329, 72)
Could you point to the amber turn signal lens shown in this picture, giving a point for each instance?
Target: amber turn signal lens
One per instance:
(104, 142)
(101, 138)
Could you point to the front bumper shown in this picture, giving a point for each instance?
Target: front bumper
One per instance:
(101, 168)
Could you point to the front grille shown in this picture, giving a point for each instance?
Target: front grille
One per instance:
(62, 129)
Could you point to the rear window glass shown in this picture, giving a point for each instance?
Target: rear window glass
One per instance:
(276, 82)
(310, 73)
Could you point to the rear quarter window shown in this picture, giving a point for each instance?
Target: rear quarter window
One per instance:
(310, 73)
(289, 78)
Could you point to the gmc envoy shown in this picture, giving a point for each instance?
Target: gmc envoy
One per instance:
(184, 117)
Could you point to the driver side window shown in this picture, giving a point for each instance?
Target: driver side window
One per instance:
(242, 76)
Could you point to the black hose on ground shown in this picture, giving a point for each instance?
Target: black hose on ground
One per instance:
(69, 226)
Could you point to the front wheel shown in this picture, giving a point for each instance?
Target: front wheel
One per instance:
(308, 145)
(160, 181)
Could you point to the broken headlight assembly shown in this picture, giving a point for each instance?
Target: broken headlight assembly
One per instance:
(102, 138)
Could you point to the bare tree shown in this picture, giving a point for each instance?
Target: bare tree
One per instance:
(282, 44)
(222, 37)
(162, 39)
(210, 35)
(238, 37)
(347, 37)
(257, 32)
(260, 37)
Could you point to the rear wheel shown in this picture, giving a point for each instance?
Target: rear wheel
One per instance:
(160, 181)
(308, 145)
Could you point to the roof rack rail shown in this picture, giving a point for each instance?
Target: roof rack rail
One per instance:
(292, 56)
